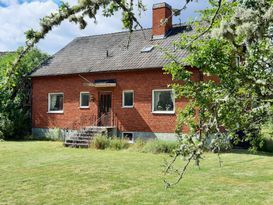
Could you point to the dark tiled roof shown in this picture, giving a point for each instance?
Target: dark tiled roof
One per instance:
(108, 52)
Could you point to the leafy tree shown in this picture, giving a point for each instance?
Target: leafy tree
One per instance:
(233, 42)
(15, 95)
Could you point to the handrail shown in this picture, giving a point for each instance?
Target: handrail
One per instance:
(111, 121)
(98, 119)
(80, 124)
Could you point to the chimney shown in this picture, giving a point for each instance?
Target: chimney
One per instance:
(162, 20)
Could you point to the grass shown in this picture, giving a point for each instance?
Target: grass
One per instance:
(48, 173)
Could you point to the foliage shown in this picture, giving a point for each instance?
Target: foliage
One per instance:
(104, 142)
(234, 90)
(267, 136)
(15, 93)
(159, 146)
(150, 146)
(118, 144)
(138, 145)
(101, 142)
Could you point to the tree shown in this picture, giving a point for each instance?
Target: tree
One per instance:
(233, 42)
(15, 99)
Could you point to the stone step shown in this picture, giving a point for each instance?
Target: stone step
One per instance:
(77, 141)
(76, 144)
(84, 136)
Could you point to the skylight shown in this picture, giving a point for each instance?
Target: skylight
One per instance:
(147, 49)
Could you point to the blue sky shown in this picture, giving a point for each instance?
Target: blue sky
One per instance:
(17, 16)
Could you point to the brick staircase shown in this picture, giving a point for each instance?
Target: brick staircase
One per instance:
(84, 136)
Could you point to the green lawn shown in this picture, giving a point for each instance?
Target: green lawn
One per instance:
(48, 173)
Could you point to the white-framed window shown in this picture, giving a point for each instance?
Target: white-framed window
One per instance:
(84, 99)
(128, 136)
(55, 102)
(128, 99)
(163, 101)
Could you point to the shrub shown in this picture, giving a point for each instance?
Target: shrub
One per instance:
(54, 134)
(101, 142)
(159, 146)
(6, 126)
(118, 144)
(267, 137)
(1, 135)
(139, 144)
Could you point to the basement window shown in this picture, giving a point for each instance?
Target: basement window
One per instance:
(163, 101)
(147, 49)
(128, 99)
(128, 136)
(55, 102)
(84, 99)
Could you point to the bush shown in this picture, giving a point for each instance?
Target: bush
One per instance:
(159, 146)
(54, 135)
(118, 144)
(267, 137)
(6, 126)
(139, 144)
(1, 135)
(101, 142)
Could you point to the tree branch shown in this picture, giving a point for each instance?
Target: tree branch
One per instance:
(168, 185)
(210, 26)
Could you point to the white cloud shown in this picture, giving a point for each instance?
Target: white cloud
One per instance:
(16, 18)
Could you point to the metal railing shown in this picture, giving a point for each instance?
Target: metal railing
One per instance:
(106, 119)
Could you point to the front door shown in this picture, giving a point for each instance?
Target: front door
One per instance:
(105, 104)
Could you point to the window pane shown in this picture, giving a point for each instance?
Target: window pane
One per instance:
(128, 98)
(85, 99)
(163, 101)
(56, 102)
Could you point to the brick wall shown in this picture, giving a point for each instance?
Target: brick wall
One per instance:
(140, 118)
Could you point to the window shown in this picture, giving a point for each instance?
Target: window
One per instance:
(163, 101)
(84, 99)
(147, 49)
(55, 102)
(128, 99)
(128, 136)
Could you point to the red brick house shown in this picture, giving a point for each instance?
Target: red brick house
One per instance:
(97, 81)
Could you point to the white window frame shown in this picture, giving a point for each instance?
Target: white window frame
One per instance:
(48, 102)
(163, 112)
(123, 98)
(84, 92)
(133, 136)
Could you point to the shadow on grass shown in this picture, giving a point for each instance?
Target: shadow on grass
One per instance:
(245, 151)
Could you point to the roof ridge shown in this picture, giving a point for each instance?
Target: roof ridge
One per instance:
(120, 32)
(112, 33)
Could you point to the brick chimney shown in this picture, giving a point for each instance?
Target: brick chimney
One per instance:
(162, 19)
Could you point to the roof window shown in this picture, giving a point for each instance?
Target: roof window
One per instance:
(147, 49)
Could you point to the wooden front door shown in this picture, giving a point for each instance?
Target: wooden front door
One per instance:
(105, 105)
